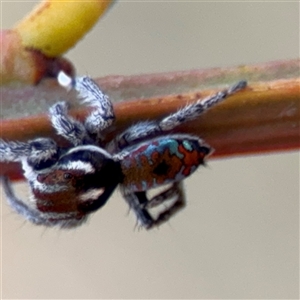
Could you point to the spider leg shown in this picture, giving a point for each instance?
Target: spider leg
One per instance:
(33, 215)
(190, 112)
(13, 151)
(19, 206)
(140, 204)
(176, 192)
(137, 202)
(39, 153)
(173, 191)
(66, 126)
(102, 115)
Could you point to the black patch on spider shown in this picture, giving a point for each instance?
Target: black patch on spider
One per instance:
(161, 169)
(204, 149)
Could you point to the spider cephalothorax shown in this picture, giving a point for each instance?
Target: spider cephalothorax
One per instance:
(66, 184)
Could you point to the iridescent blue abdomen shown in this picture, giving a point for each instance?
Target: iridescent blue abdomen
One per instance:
(162, 160)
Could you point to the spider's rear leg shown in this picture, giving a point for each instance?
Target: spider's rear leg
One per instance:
(192, 111)
(176, 194)
(172, 192)
(137, 202)
(147, 129)
(141, 205)
(102, 115)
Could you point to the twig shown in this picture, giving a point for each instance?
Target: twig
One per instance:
(263, 118)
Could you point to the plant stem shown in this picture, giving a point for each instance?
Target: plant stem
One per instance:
(262, 118)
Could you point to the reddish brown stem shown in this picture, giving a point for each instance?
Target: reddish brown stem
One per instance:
(263, 118)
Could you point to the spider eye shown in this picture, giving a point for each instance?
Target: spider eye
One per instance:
(67, 176)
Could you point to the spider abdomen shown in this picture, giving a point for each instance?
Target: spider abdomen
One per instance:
(162, 160)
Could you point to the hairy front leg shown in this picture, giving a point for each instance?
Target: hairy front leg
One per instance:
(66, 126)
(38, 153)
(102, 114)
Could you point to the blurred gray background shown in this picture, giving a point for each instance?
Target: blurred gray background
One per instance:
(239, 235)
